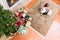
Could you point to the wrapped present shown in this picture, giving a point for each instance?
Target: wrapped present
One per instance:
(23, 15)
(26, 19)
(22, 30)
(29, 17)
(17, 13)
(19, 22)
(28, 24)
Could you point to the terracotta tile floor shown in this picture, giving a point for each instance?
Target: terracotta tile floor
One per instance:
(31, 4)
(58, 17)
(57, 2)
(32, 35)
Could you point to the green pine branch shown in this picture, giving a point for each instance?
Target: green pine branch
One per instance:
(7, 22)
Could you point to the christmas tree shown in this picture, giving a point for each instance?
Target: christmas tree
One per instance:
(7, 22)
